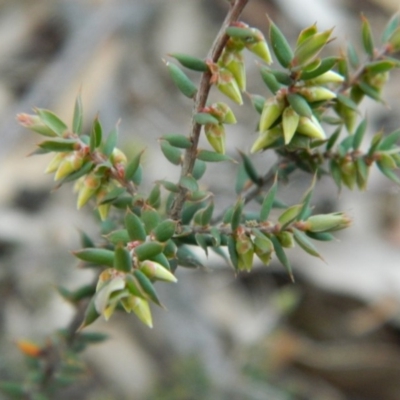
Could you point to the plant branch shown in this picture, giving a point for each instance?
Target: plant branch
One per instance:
(220, 41)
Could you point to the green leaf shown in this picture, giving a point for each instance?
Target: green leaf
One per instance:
(182, 81)
(96, 134)
(207, 214)
(93, 337)
(77, 120)
(389, 141)
(389, 173)
(345, 145)
(352, 55)
(110, 142)
(102, 298)
(244, 34)
(59, 145)
(118, 236)
(237, 214)
(90, 315)
(375, 143)
(325, 65)
(242, 179)
(362, 173)
(211, 156)
(347, 102)
(165, 230)
(359, 134)
(289, 215)
(52, 121)
(134, 227)
(122, 259)
(299, 104)
(133, 166)
(333, 139)
(233, 255)
(14, 389)
(268, 202)
(321, 236)
(302, 240)
(183, 142)
(378, 67)
(270, 80)
(190, 62)
(112, 195)
(370, 91)
(154, 199)
(201, 240)
(280, 45)
(84, 170)
(137, 176)
(203, 118)
(390, 28)
(85, 239)
(249, 167)
(335, 173)
(367, 39)
(216, 236)
(189, 183)
(96, 256)
(281, 255)
(172, 154)
(257, 102)
(150, 218)
(305, 210)
(310, 47)
(199, 169)
(146, 250)
(171, 187)
(147, 287)
(186, 258)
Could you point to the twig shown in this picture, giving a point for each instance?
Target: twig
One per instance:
(200, 102)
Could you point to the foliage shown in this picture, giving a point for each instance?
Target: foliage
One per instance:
(310, 120)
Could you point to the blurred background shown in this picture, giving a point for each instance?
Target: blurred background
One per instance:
(333, 335)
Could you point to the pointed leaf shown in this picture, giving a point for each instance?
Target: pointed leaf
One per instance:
(233, 255)
(190, 62)
(302, 240)
(59, 144)
(249, 167)
(199, 169)
(110, 142)
(281, 255)
(211, 156)
(183, 142)
(280, 45)
(146, 250)
(186, 258)
(77, 120)
(52, 121)
(172, 154)
(189, 183)
(359, 134)
(96, 134)
(268, 202)
(135, 227)
(165, 230)
(133, 166)
(237, 214)
(96, 256)
(147, 287)
(202, 242)
(389, 141)
(122, 259)
(182, 81)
